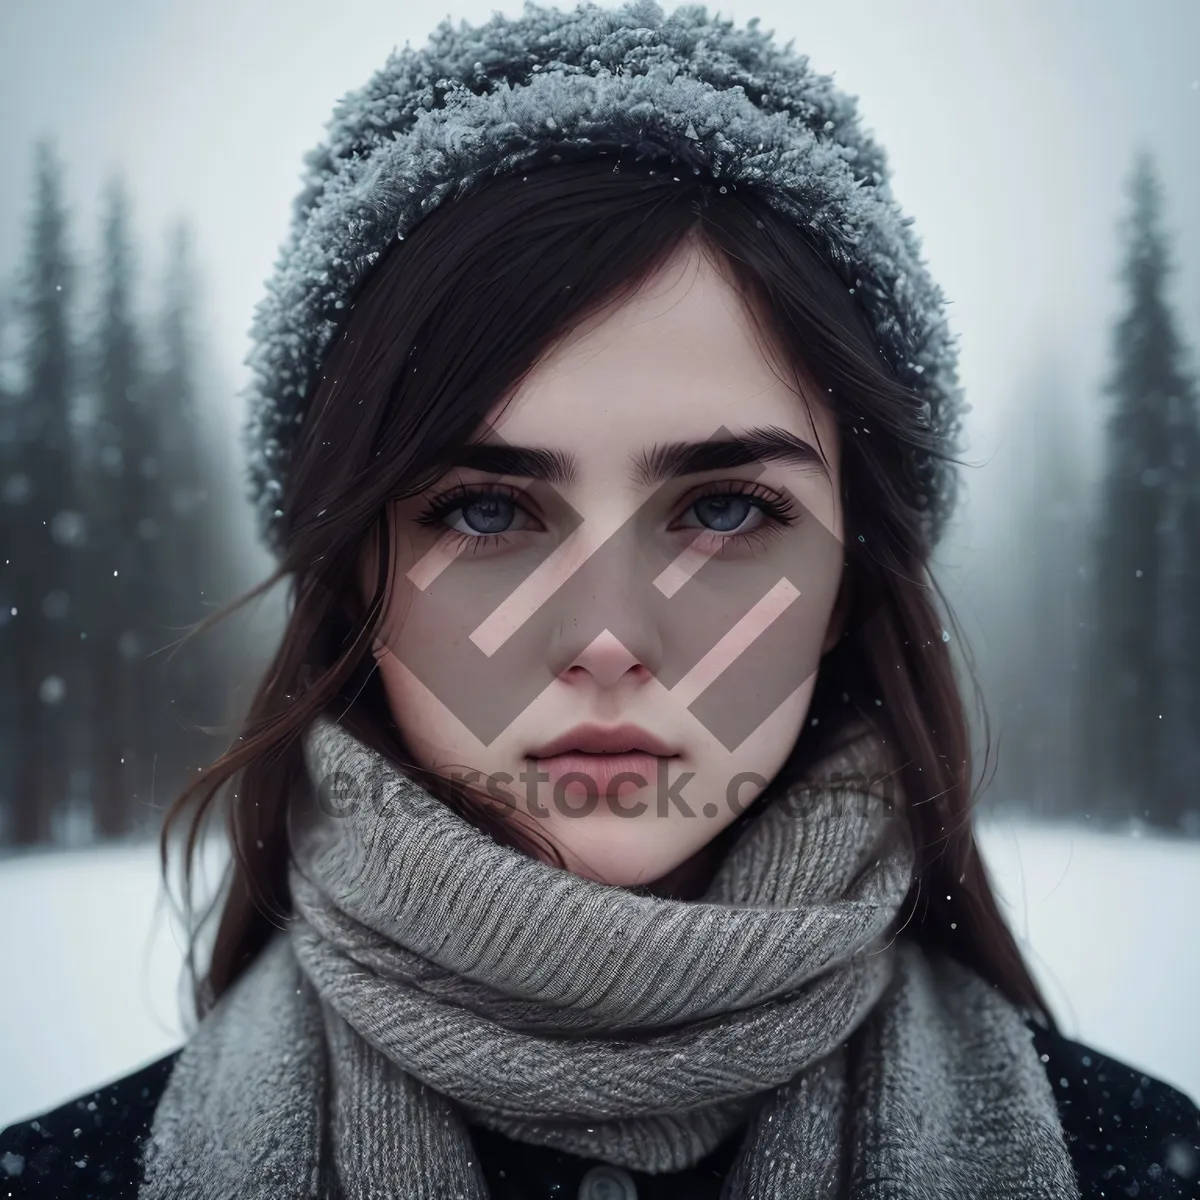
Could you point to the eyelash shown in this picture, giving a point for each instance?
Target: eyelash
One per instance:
(779, 511)
(462, 496)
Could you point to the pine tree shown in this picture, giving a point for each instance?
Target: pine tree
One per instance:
(1038, 587)
(185, 550)
(44, 528)
(123, 485)
(10, 470)
(1141, 698)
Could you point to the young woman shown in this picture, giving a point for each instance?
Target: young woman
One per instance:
(602, 826)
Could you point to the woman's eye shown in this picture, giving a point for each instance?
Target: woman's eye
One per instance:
(485, 515)
(727, 513)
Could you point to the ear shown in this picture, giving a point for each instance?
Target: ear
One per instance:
(839, 616)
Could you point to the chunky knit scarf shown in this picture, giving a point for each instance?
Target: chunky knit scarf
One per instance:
(431, 978)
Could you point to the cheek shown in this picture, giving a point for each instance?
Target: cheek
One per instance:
(756, 637)
(403, 692)
(432, 733)
(758, 760)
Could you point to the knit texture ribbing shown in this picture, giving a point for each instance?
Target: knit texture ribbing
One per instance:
(432, 979)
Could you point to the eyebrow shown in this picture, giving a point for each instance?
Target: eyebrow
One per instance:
(669, 461)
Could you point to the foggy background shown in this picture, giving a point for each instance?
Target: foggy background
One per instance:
(1050, 154)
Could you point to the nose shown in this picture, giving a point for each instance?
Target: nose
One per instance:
(606, 619)
(606, 661)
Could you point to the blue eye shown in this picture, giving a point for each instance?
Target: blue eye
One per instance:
(487, 514)
(724, 513)
(477, 513)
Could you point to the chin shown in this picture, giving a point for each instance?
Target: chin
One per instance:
(621, 861)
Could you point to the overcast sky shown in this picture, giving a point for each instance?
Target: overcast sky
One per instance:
(1010, 127)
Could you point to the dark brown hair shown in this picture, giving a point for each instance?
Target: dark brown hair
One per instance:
(447, 322)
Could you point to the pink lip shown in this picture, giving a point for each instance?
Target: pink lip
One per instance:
(601, 774)
(602, 755)
(607, 740)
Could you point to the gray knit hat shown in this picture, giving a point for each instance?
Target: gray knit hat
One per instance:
(483, 101)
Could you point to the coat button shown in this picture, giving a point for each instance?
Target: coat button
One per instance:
(607, 1183)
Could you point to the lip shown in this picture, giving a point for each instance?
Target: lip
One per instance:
(601, 774)
(605, 739)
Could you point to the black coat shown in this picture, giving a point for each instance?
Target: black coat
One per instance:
(1128, 1134)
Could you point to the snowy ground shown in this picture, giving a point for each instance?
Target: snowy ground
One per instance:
(91, 964)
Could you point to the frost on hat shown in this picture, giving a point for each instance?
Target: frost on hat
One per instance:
(482, 101)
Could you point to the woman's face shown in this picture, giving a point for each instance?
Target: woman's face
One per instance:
(610, 615)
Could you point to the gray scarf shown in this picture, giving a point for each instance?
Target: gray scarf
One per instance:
(431, 978)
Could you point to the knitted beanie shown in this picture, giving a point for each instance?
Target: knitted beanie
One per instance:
(434, 124)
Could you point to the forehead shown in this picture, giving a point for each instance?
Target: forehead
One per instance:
(678, 360)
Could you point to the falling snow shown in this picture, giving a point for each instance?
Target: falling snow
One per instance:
(108, 1002)
(401, 145)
